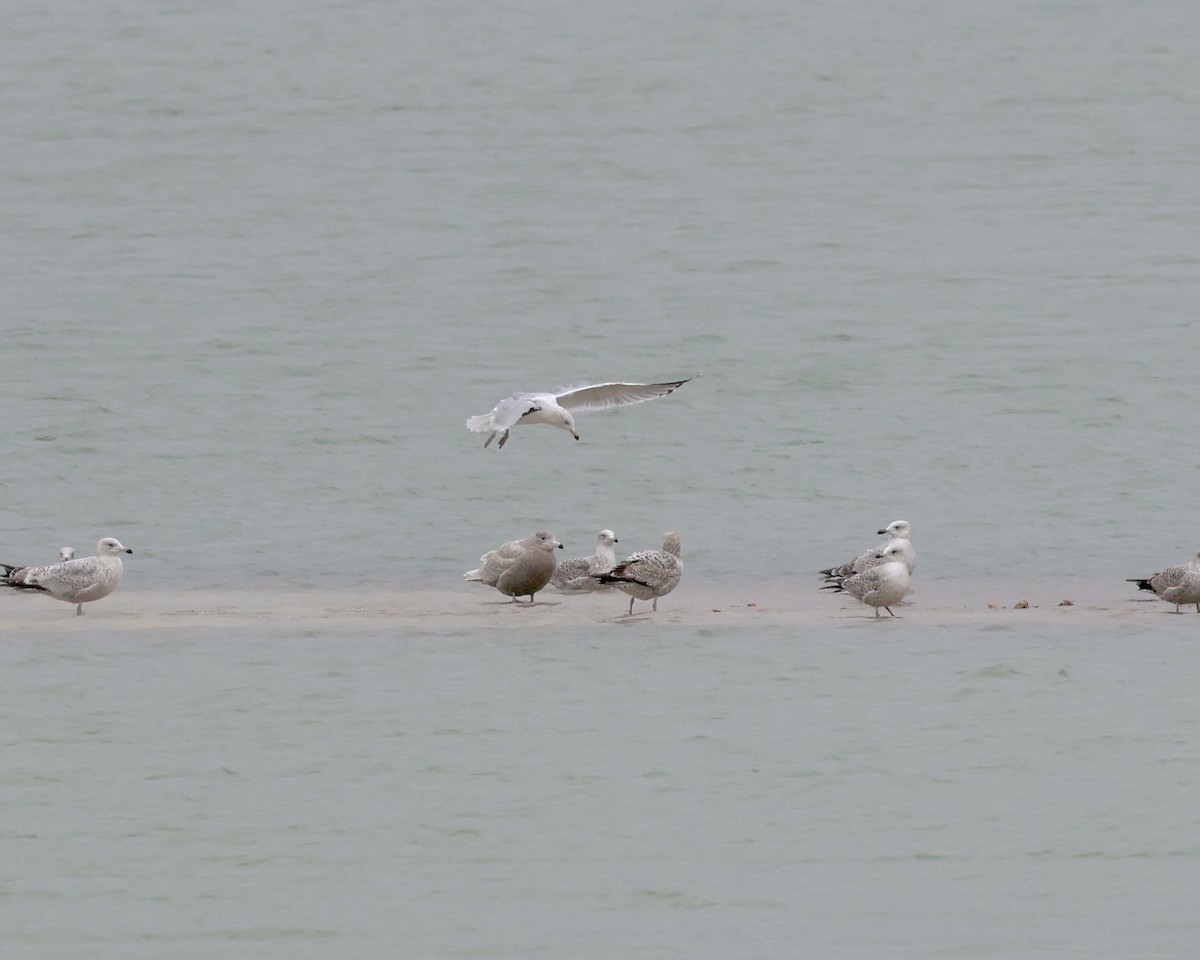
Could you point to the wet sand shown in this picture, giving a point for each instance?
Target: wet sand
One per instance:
(472, 607)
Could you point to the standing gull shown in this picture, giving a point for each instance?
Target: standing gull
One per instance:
(73, 581)
(1178, 584)
(577, 575)
(558, 408)
(519, 568)
(881, 585)
(898, 531)
(649, 574)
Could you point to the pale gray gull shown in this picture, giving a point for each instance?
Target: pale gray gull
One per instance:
(519, 568)
(898, 531)
(559, 407)
(577, 575)
(880, 585)
(66, 553)
(1178, 584)
(73, 581)
(649, 574)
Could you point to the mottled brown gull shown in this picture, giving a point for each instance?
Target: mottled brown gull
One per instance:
(1178, 584)
(880, 585)
(578, 574)
(898, 531)
(73, 581)
(519, 568)
(558, 407)
(649, 574)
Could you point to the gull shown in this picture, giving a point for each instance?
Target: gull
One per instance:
(898, 531)
(73, 581)
(66, 553)
(519, 568)
(558, 408)
(577, 575)
(649, 574)
(1178, 584)
(878, 586)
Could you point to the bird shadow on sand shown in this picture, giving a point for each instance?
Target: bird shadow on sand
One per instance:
(522, 603)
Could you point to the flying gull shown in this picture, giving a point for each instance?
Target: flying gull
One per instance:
(73, 581)
(577, 575)
(558, 408)
(1178, 584)
(519, 568)
(649, 574)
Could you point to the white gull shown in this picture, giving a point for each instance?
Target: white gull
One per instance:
(559, 407)
(73, 581)
(880, 585)
(898, 531)
(577, 575)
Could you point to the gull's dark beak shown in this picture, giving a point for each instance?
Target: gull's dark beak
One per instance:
(881, 531)
(127, 550)
(574, 434)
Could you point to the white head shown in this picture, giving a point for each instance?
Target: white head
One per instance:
(893, 551)
(65, 554)
(606, 538)
(546, 541)
(111, 547)
(898, 530)
(566, 421)
(672, 544)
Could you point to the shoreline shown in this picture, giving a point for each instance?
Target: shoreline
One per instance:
(935, 603)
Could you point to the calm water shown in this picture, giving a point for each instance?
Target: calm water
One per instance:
(932, 261)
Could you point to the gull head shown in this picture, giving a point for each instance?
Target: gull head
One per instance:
(546, 541)
(566, 421)
(65, 554)
(606, 537)
(110, 547)
(898, 529)
(892, 552)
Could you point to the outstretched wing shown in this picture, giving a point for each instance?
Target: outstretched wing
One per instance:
(605, 396)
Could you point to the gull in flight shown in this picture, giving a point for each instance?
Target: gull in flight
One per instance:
(558, 408)
(73, 581)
